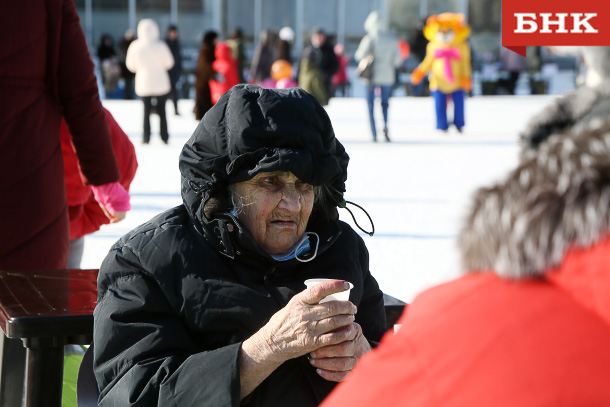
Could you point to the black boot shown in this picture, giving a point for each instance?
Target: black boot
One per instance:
(385, 133)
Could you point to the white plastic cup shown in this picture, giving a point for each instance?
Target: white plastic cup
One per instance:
(340, 296)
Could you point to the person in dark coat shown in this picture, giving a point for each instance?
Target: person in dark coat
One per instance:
(106, 48)
(46, 72)
(417, 45)
(127, 76)
(108, 63)
(175, 71)
(284, 44)
(204, 73)
(317, 67)
(206, 302)
(45, 75)
(264, 55)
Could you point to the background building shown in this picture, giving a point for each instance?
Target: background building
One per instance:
(341, 18)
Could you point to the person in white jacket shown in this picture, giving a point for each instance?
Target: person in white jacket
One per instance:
(383, 45)
(150, 58)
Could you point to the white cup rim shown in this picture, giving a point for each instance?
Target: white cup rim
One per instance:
(315, 281)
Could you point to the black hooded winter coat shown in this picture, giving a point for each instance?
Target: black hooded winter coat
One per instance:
(178, 295)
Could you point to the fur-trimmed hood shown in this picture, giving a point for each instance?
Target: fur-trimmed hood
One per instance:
(556, 199)
(571, 113)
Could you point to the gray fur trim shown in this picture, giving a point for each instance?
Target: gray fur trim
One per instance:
(565, 112)
(556, 199)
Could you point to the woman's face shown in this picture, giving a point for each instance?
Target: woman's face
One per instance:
(275, 207)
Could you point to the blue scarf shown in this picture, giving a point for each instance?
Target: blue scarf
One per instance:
(300, 247)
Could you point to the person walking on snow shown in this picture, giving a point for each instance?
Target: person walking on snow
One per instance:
(150, 59)
(383, 45)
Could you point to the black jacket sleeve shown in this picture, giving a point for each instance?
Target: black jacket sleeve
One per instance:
(149, 358)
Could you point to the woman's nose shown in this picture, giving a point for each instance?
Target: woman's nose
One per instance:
(291, 199)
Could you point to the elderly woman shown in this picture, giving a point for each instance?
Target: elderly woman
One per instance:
(206, 304)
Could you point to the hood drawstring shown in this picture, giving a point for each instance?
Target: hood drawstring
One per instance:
(302, 246)
(343, 204)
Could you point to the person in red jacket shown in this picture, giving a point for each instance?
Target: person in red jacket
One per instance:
(340, 81)
(529, 323)
(91, 207)
(226, 71)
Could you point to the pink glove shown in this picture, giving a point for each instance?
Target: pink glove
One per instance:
(112, 197)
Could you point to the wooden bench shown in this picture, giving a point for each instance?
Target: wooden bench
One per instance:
(393, 310)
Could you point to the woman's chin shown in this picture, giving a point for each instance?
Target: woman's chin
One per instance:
(281, 245)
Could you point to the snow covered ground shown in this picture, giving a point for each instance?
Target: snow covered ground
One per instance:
(416, 188)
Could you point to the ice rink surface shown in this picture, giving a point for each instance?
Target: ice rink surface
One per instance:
(417, 188)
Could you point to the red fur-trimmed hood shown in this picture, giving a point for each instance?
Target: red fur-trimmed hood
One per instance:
(555, 200)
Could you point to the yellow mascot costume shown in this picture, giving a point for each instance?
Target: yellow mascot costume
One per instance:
(448, 60)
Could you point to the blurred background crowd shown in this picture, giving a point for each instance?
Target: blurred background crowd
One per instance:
(263, 31)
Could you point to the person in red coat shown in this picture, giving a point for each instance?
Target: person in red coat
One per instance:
(90, 207)
(340, 80)
(45, 74)
(529, 323)
(226, 71)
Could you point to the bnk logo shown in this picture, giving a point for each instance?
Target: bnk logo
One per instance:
(555, 23)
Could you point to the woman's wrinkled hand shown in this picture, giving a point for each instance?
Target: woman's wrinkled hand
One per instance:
(327, 331)
(304, 325)
(334, 362)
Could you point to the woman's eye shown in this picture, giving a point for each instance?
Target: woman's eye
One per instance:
(270, 180)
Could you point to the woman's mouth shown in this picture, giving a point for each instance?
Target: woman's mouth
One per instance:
(284, 223)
